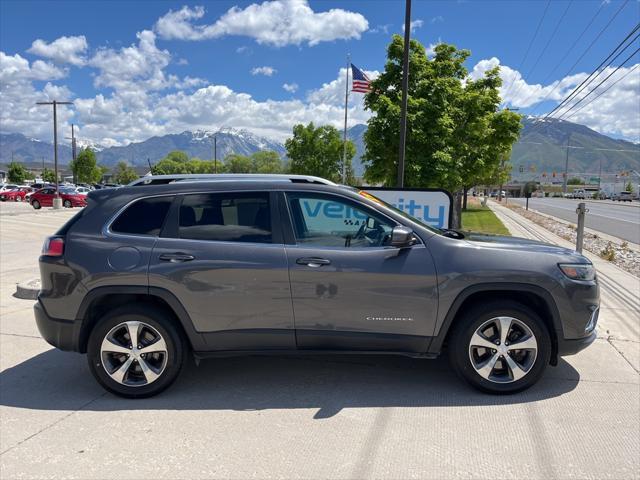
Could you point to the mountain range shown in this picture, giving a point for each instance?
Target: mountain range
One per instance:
(542, 148)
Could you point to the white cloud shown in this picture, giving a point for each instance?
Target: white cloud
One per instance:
(430, 50)
(381, 28)
(415, 24)
(62, 50)
(437, 19)
(613, 113)
(182, 62)
(266, 71)
(290, 87)
(244, 50)
(276, 22)
(16, 68)
(516, 92)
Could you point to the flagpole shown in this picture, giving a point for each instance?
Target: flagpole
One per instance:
(344, 140)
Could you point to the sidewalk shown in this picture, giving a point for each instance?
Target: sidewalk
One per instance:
(619, 321)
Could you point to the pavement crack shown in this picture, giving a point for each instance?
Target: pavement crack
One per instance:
(60, 420)
(20, 335)
(622, 354)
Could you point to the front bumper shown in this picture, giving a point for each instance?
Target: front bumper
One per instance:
(573, 346)
(61, 334)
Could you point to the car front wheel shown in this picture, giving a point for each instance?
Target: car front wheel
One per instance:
(136, 352)
(36, 204)
(500, 347)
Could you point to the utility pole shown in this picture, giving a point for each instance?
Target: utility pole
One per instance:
(150, 168)
(57, 201)
(566, 167)
(405, 91)
(215, 154)
(73, 150)
(346, 110)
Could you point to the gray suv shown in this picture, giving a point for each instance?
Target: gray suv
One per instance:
(168, 267)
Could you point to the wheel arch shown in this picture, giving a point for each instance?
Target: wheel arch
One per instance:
(103, 299)
(536, 298)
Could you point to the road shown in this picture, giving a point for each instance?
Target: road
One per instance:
(621, 220)
(308, 417)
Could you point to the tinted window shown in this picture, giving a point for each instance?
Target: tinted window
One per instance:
(144, 217)
(228, 217)
(329, 221)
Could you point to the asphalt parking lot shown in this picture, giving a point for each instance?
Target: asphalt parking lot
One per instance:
(302, 417)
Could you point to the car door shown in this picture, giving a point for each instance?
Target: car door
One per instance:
(349, 289)
(221, 258)
(45, 197)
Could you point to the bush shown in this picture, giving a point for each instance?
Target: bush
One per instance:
(608, 252)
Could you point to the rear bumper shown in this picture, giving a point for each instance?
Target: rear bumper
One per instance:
(61, 334)
(573, 346)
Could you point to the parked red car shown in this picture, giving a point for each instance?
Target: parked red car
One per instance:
(44, 198)
(15, 195)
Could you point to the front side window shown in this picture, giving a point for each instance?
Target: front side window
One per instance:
(144, 217)
(227, 217)
(329, 221)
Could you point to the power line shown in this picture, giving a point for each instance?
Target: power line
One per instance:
(576, 92)
(544, 14)
(591, 76)
(553, 34)
(553, 70)
(596, 87)
(586, 50)
(605, 91)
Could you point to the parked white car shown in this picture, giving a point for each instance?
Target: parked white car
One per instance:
(8, 186)
(82, 190)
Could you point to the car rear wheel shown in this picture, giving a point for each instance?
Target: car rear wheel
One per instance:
(36, 204)
(67, 204)
(500, 347)
(136, 352)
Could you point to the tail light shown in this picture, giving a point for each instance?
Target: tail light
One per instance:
(53, 247)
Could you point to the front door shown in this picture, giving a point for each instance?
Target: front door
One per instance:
(225, 263)
(350, 290)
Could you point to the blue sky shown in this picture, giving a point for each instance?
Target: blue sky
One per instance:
(133, 76)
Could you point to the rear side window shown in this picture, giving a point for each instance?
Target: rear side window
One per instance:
(144, 217)
(227, 217)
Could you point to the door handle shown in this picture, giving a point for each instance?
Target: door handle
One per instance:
(313, 262)
(176, 257)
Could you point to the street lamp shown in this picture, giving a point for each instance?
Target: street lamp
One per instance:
(57, 201)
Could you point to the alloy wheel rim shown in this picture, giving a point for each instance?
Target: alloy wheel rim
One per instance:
(503, 350)
(134, 354)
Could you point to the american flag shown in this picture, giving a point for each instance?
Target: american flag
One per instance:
(361, 82)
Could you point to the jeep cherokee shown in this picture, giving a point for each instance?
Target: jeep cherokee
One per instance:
(232, 265)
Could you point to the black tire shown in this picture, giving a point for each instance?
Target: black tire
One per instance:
(36, 204)
(67, 204)
(158, 319)
(474, 318)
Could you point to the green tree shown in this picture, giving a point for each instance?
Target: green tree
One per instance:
(48, 175)
(319, 151)
(16, 173)
(455, 133)
(85, 168)
(124, 174)
(629, 187)
(178, 156)
(266, 162)
(575, 181)
(238, 163)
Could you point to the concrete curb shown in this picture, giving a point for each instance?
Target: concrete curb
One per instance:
(28, 290)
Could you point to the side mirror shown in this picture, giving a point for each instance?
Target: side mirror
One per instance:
(402, 237)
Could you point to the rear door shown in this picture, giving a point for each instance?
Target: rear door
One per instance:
(223, 260)
(350, 290)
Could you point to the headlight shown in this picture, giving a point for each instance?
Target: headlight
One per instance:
(578, 271)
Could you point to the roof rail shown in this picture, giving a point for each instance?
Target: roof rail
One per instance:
(227, 177)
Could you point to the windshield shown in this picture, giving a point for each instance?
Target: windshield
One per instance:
(375, 199)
